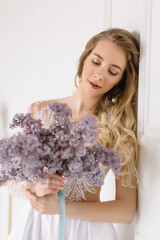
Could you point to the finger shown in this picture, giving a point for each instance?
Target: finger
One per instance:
(52, 183)
(27, 191)
(31, 196)
(39, 209)
(52, 186)
(52, 179)
(35, 206)
(47, 191)
(56, 176)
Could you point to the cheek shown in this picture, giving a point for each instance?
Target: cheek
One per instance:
(115, 81)
(87, 71)
(110, 84)
(108, 87)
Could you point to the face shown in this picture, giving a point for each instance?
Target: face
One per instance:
(103, 68)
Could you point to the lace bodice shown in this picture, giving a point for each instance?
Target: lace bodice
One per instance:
(16, 188)
(74, 188)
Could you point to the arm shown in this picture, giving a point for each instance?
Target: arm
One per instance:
(120, 210)
(52, 185)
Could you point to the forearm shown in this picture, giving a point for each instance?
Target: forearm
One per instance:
(114, 211)
(18, 186)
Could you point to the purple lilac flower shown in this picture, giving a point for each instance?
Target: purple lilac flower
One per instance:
(63, 148)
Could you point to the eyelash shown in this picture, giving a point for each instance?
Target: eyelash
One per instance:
(113, 74)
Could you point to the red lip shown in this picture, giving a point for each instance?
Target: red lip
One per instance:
(94, 84)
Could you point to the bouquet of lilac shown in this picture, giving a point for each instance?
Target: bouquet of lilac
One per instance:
(65, 148)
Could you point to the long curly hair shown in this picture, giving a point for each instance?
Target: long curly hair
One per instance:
(116, 110)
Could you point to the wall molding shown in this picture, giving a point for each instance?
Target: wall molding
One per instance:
(148, 61)
(143, 72)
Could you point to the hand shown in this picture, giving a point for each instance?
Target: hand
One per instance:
(51, 186)
(48, 204)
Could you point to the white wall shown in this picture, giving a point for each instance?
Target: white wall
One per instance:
(40, 43)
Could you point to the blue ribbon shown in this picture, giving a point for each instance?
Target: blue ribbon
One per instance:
(61, 194)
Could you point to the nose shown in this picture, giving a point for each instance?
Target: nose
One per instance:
(99, 75)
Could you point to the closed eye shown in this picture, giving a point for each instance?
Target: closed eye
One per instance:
(112, 73)
(95, 63)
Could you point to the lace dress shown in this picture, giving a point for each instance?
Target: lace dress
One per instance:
(32, 225)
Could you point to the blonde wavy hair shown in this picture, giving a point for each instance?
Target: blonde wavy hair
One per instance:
(116, 110)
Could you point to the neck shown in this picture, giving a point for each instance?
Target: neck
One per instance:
(82, 102)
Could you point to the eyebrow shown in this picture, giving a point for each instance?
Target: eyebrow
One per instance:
(113, 65)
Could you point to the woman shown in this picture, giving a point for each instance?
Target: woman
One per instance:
(107, 72)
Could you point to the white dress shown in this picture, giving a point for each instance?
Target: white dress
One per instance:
(32, 225)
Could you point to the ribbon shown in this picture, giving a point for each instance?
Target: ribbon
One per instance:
(61, 194)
